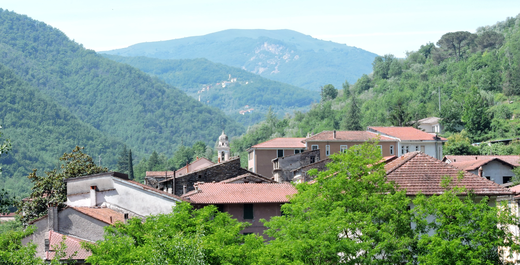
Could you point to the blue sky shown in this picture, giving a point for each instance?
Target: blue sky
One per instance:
(381, 27)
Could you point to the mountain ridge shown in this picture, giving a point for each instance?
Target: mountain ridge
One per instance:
(281, 55)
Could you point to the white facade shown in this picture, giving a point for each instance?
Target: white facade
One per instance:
(433, 149)
(115, 192)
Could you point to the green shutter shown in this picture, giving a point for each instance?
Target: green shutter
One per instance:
(248, 211)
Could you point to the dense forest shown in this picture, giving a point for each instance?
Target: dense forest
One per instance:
(470, 80)
(242, 90)
(281, 55)
(40, 131)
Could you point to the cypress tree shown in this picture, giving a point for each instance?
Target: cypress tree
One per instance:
(122, 161)
(352, 121)
(130, 165)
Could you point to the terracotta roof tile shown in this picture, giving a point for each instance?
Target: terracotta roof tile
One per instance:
(227, 193)
(353, 136)
(417, 172)
(282, 143)
(405, 133)
(513, 160)
(475, 164)
(73, 250)
(105, 215)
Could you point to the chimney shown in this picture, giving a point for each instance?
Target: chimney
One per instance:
(187, 167)
(111, 221)
(52, 213)
(93, 196)
(480, 171)
(334, 133)
(184, 187)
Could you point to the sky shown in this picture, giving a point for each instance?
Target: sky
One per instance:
(381, 27)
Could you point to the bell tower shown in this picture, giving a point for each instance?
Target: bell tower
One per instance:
(223, 148)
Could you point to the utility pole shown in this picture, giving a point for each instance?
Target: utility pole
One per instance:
(439, 100)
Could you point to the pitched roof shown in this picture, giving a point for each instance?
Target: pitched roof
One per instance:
(148, 188)
(513, 160)
(417, 172)
(351, 136)
(429, 120)
(229, 193)
(475, 164)
(249, 175)
(405, 133)
(281, 143)
(73, 250)
(103, 214)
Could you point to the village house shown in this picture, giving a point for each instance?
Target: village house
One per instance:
(246, 202)
(393, 141)
(430, 125)
(283, 166)
(260, 156)
(93, 202)
(496, 168)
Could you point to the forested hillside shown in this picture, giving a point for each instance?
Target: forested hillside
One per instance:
(281, 55)
(119, 100)
(229, 88)
(476, 74)
(40, 131)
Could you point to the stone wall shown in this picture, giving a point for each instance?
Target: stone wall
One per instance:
(283, 166)
(216, 173)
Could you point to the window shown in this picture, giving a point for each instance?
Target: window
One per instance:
(406, 148)
(488, 177)
(327, 150)
(313, 159)
(416, 148)
(296, 151)
(220, 207)
(423, 148)
(250, 155)
(380, 149)
(248, 211)
(506, 179)
(343, 148)
(314, 147)
(280, 153)
(391, 149)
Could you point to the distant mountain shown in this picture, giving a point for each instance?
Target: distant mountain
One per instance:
(237, 92)
(282, 55)
(118, 100)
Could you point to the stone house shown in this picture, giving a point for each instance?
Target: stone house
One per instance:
(153, 178)
(496, 168)
(246, 202)
(180, 185)
(283, 166)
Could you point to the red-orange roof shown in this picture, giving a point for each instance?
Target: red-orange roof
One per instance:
(353, 136)
(228, 193)
(405, 133)
(105, 215)
(475, 164)
(417, 172)
(282, 143)
(73, 250)
(513, 160)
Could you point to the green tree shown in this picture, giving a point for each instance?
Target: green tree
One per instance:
(130, 165)
(203, 236)
(122, 160)
(346, 89)
(12, 251)
(475, 115)
(489, 40)
(466, 230)
(351, 214)
(153, 161)
(328, 92)
(352, 121)
(457, 44)
(459, 144)
(51, 189)
(398, 112)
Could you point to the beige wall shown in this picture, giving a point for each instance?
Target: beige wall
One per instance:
(335, 147)
(264, 164)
